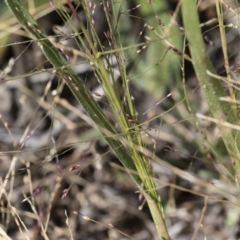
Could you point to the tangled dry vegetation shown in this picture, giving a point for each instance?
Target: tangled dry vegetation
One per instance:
(59, 178)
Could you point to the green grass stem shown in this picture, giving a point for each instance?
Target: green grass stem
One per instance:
(132, 159)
